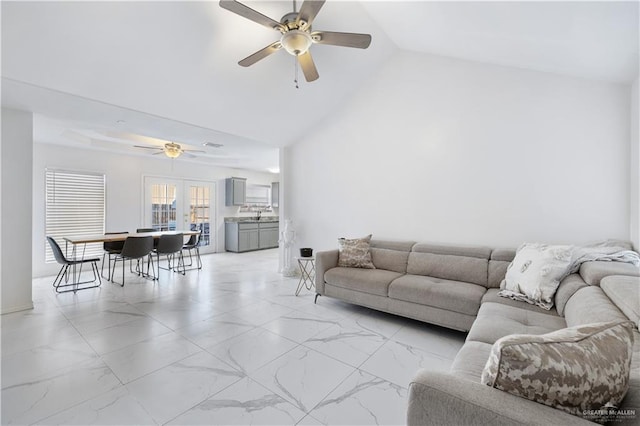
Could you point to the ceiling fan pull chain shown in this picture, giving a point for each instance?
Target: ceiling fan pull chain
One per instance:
(295, 67)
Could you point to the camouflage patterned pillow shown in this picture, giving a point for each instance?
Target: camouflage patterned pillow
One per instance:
(355, 253)
(575, 369)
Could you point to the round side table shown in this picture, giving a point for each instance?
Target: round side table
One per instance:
(307, 273)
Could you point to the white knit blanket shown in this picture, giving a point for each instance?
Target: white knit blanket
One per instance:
(602, 253)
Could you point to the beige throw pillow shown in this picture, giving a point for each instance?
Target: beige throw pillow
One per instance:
(535, 273)
(575, 369)
(355, 253)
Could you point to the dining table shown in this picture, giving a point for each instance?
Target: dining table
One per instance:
(103, 238)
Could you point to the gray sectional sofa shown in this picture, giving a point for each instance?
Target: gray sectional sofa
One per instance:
(457, 287)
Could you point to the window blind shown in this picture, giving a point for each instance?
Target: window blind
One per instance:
(75, 206)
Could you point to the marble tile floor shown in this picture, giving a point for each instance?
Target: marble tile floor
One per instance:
(229, 344)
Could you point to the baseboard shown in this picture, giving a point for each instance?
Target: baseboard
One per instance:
(17, 309)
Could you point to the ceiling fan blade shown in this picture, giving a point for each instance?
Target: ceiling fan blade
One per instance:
(147, 147)
(213, 144)
(308, 12)
(253, 15)
(192, 150)
(186, 154)
(360, 41)
(261, 54)
(158, 153)
(308, 67)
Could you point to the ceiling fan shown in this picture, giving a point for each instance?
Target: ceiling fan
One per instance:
(297, 36)
(171, 150)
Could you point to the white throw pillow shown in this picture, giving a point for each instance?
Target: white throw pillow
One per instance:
(535, 273)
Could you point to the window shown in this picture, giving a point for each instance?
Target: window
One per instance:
(163, 207)
(75, 204)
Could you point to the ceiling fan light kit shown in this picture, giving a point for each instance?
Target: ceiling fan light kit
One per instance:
(296, 37)
(171, 150)
(296, 42)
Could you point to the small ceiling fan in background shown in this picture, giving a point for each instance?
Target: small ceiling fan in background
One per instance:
(173, 150)
(297, 36)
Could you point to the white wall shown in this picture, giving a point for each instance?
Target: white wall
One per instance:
(444, 150)
(634, 197)
(124, 187)
(15, 238)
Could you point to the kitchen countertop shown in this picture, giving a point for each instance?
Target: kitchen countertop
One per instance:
(264, 219)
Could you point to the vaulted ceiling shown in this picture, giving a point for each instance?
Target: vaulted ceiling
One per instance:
(169, 70)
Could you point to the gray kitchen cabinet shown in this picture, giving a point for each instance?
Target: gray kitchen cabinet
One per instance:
(235, 191)
(250, 235)
(275, 194)
(248, 239)
(268, 235)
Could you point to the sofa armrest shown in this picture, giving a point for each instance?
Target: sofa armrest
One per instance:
(325, 260)
(593, 272)
(437, 398)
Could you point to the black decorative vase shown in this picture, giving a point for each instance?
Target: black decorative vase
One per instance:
(306, 252)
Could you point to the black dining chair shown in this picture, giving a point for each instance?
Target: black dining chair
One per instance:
(111, 248)
(193, 245)
(135, 248)
(143, 230)
(170, 246)
(64, 270)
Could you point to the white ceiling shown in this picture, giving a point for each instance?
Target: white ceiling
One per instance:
(591, 39)
(169, 69)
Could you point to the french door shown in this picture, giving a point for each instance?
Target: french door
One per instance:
(181, 204)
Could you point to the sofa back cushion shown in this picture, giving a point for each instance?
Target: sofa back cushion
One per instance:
(567, 288)
(498, 264)
(589, 305)
(624, 292)
(458, 263)
(391, 255)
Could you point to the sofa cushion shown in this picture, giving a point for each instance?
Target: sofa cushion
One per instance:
(589, 305)
(567, 288)
(449, 267)
(575, 369)
(593, 272)
(391, 260)
(498, 264)
(470, 360)
(454, 296)
(535, 273)
(496, 320)
(372, 281)
(503, 255)
(497, 271)
(393, 245)
(624, 292)
(466, 251)
(491, 296)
